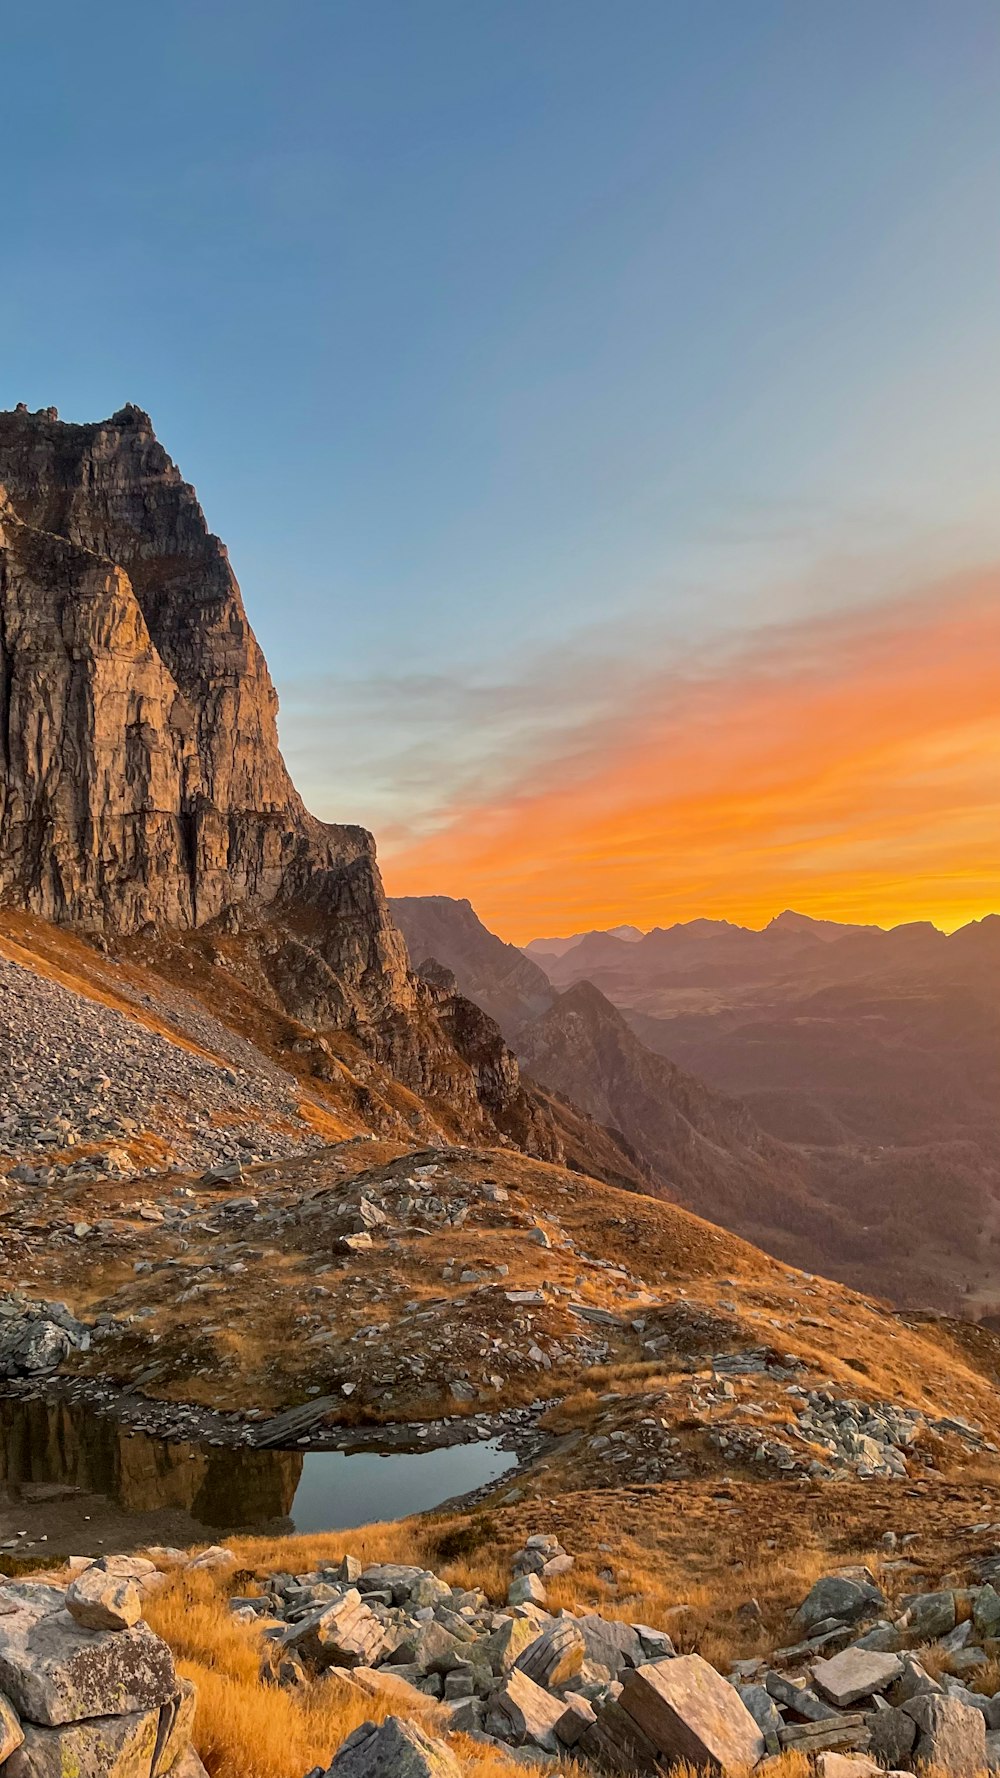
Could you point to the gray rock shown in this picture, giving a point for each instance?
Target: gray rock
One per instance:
(949, 1734)
(430, 1648)
(929, 1615)
(188, 1765)
(11, 1732)
(855, 1673)
(765, 1713)
(578, 1716)
(526, 1589)
(104, 1747)
(800, 1700)
(612, 1644)
(892, 1737)
(393, 1749)
(836, 1597)
(54, 1671)
(986, 1611)
(913, 1682)
(689, 1712)
(344, 1634)
(555, 1657)
(525, 1713)
(34, 1348)
(102, 1601)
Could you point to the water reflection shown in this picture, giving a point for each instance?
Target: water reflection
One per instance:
(46, 1445)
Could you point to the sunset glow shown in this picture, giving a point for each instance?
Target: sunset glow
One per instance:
(848, 767)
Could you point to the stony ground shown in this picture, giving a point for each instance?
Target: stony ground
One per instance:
(83, 1080)
(383, 1287)
(871, 1629)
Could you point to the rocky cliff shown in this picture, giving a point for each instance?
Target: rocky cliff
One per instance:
(141, 782)
(497, 976)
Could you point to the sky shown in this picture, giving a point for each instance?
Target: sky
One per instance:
(600, 406)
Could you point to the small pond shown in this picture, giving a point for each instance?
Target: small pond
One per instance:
(70, 1479)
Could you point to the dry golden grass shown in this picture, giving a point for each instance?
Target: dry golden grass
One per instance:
(244, 1729)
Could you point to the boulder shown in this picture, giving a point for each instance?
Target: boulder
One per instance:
(505, 1645)
(395, 1577)
(834, 1596)
(344, 1634)
(33, 1348)
(102, 1601)
(430, 1648)
(526, 1589)
(765, 1713)
(842, 1733)
(54, 1671)
(104, 1747)
(929, 1615)
(382, 1682)
(803, 1703)
(689, 1712)
(612, 1644)
(913, 1682)
(892, 1737)
(986, 1611)
(11, 1732)
(616, 1743)
(855, 1673)
(844, 1765)
(188, 1766)
(556, 1656)
(949, 1735)
(393, 1749)
(528, 1715)
(578, 1716)
(214, 1557)
(176, 1725)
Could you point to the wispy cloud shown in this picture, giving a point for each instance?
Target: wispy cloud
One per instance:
(846, 764)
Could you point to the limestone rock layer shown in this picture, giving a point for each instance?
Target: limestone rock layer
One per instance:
(141, 780)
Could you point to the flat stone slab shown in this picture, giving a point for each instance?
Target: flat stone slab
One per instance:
(55, 1671)
(689, 1712)
(854, 1674)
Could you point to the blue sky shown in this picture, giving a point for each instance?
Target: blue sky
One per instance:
(514, 346)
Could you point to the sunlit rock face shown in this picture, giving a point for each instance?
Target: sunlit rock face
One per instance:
(141, 782)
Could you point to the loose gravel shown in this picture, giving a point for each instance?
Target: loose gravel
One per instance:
(76, 1072)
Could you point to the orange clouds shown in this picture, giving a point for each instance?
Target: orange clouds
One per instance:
(848, 766)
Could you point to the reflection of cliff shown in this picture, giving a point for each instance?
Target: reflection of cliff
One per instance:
(54, 1442)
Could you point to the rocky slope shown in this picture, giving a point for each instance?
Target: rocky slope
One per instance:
(866, 1063)
(141, 783)
(685, 1140)
(497, 976)
(875, 1053)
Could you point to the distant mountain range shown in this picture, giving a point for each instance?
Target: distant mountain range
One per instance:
(844, 1079)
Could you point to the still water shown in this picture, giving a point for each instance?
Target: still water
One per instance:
(58, 1454)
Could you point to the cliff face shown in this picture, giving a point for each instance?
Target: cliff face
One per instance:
(140, 775)
(140, 752)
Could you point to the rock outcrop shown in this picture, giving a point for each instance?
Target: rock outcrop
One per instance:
(141, 782)
(79, 1700)
(497, 976)
(140, 753)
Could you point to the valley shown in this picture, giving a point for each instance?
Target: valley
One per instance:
(419, 1353)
